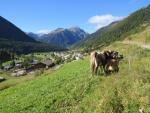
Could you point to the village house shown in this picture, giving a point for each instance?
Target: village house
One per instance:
(49, 63)
(8, 67)
(34, 62)
(78, 56)
(41, 65)
(66, 57)
(2, 79)
(18, 64)
(36, 66)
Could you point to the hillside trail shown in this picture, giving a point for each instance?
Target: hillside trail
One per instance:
(145, 46)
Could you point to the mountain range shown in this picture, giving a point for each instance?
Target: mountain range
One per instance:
(11, 37)
(61, 37)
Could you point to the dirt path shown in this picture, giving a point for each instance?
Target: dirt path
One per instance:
(145, 46)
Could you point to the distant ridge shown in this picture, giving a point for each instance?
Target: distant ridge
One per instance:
(62, 37)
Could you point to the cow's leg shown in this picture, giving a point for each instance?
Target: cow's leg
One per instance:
(105, 69)
(95, 70)
(117, 70)
(96, 67)
(101, 69)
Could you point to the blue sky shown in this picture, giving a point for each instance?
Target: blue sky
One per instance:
(43, 15)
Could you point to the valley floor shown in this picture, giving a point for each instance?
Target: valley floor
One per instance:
(72, 88)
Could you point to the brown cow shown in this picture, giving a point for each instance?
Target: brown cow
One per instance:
(97, 59)
(113, 65)
(101, 59)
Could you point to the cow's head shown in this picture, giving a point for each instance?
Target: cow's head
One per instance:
(116, 55)
(113, 55)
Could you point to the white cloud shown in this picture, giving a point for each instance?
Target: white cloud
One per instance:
(44, 31)
(100, 21)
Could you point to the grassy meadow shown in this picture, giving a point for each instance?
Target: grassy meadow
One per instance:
(72, 88)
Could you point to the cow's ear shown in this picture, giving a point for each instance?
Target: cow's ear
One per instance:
(110, 51)
(107, 53)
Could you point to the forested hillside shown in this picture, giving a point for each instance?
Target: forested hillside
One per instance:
(27, 47)
(134, 23)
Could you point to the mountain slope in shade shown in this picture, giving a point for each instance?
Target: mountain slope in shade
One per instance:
(134, 23)
(62, 37)
(14, 39)
(11, 32)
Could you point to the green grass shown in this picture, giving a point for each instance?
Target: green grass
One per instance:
(73, 89)
(12, 81)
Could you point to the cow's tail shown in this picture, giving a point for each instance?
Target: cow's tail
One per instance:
(93, 62)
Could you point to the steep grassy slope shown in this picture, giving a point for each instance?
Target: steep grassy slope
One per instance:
(132, 24)
(142, 37)
(73, 89)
